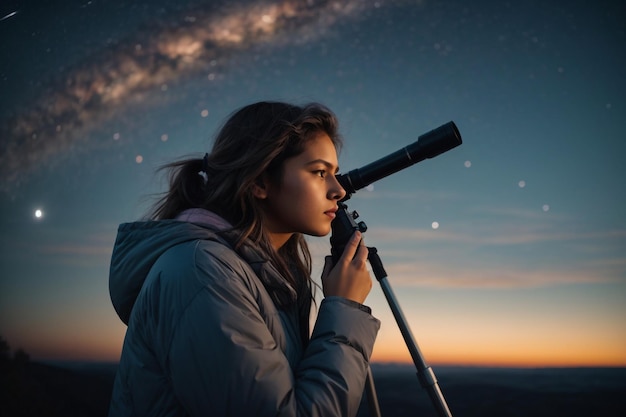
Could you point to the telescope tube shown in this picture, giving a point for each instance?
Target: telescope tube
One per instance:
(428, 145)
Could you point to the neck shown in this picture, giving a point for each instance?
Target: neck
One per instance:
(279, 239)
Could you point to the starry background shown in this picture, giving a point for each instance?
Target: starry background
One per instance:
(509, 250)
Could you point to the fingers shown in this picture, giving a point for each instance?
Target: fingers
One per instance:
(362, 252)
(328, 265)
(349, 277)
(351, 248)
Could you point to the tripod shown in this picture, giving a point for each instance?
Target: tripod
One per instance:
(343, 226)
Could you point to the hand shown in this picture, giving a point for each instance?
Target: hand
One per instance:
(349, 278)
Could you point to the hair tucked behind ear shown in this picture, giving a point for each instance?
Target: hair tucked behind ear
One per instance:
(255, 141)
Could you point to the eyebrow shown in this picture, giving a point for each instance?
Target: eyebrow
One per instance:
(324, 162)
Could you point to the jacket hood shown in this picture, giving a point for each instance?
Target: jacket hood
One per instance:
(138, 246)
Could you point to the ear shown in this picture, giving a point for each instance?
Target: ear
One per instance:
(260, 188)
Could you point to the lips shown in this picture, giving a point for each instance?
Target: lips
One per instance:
(332, 213)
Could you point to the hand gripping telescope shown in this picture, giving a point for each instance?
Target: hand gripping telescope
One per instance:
(428, 145)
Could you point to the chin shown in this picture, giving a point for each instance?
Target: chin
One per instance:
(319, 232)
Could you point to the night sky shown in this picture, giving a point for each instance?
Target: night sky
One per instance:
(508, 250)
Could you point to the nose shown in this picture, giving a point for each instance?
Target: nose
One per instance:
(336, 191)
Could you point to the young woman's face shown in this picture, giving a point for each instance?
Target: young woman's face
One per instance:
(306, 199)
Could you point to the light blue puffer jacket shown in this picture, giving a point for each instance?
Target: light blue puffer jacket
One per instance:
(204, 337)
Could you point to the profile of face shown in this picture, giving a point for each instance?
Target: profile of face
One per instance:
(305, 199)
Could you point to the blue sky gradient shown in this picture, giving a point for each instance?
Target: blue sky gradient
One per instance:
(526, 263)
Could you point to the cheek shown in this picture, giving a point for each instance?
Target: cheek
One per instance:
(288, 198)
(298, 197)
(296, 187)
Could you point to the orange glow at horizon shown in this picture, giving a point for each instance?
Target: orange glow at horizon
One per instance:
(97, 351)
(80, 342)
(105, 344)
(484, 353)
(502, 359)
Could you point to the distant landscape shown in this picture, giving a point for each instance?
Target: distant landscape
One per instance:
(29, 388)
(504, 392)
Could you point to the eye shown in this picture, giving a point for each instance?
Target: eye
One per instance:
(321, 173)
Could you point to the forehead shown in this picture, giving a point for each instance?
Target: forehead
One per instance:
(319, 147)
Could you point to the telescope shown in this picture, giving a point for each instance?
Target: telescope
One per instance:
(428, 145)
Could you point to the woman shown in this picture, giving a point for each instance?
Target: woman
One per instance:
(216, 289)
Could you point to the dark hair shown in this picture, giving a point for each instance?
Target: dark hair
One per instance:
(255, 141)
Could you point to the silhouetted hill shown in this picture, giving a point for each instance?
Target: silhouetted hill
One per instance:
(72, 390)
(504, 392)
(39, 390)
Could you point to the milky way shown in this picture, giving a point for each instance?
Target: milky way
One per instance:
(196, 42)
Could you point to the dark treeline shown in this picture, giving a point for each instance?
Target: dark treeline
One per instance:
(29, 388)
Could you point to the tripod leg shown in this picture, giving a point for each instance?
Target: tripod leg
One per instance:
(372, 398)
(425, 374)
